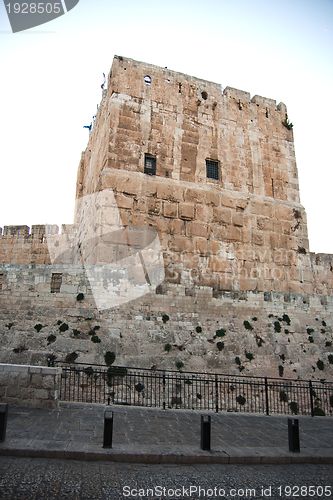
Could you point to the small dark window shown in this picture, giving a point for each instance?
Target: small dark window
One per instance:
(204, 95)
(212, 169)
(1, 280)
(147, 80)
(56, 281)
(150, 165)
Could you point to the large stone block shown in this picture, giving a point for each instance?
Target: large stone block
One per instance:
(170, 209)
(222, 215)
(124, 201)
(170, 192)
(186, 211)
(197, 229)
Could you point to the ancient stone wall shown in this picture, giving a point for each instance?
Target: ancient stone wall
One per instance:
(25, 385)
(257, 333)
(241, 292)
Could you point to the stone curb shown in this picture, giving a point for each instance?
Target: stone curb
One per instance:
(151, 458)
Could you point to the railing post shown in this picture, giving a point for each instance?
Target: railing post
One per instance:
(311, 398)
(163, 391)
(216, 394)
(266, 396)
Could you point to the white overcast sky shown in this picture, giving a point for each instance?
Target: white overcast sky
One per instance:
(50, 85)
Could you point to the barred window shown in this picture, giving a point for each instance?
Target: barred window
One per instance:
(56, 281)
(2, 279)
(150, 164)
(212, 169)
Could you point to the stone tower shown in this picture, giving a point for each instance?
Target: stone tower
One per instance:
(213, 170)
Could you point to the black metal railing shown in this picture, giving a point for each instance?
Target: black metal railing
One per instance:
(197, 391)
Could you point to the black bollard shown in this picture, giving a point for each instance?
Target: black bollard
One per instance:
(293, 435)
(108, 428)
(3, 420)
(205, 432)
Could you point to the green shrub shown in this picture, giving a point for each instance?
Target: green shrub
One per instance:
(109, 358)
(63, 327)
(293, 407)
(283, 397)
(20, 349)
(167, 347)
(286, 319)
(89, 371)
(80, 297)
(241, 400)
(277, 326)
(51, 338)
(176, 400)
(238, 361)
(249, 355)
(320, 364)
(289, 125)
(220, 346)
(71, 357)
(179, 365)
(309, 331)
(165, 318)
(247, 325)
(310, 338)
(281, 370)
(318, 412)
(115, 371)
(38, 327)
(198, 329)
(330, 359)
(220, 333)
(50, 359)
(95, 339)
(259, 341)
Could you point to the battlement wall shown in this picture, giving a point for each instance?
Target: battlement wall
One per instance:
(222, 240)
(166, 86)
(22, 244)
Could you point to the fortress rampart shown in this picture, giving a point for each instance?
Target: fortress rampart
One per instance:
(213, 172)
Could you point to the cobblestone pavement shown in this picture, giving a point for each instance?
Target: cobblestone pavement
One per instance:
(41, 479)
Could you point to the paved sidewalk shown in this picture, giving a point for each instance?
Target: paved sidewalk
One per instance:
(75, 431)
